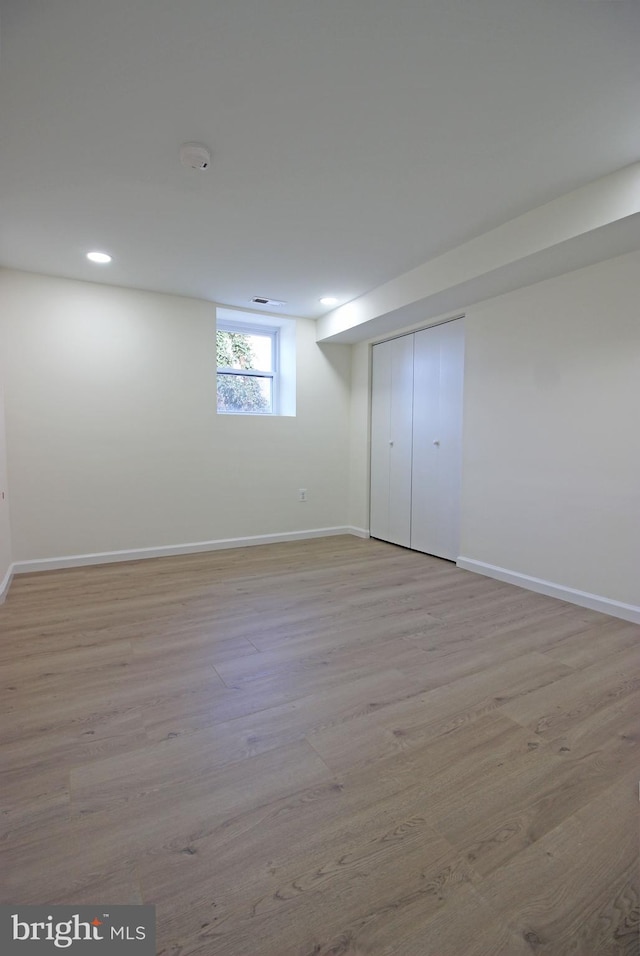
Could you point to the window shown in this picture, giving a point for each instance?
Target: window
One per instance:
(255, 359)
(247, 370)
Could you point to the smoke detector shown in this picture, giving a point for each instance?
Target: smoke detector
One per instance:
(195, 156)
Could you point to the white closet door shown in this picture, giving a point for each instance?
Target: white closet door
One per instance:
(437, 439)
(391, 437)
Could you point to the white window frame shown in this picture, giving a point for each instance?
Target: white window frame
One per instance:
(247, 328)
(283, 375)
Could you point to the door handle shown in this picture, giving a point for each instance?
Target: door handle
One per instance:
(436, 441)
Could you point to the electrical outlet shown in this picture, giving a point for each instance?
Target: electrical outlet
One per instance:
(302, 494)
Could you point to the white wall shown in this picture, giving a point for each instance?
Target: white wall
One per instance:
(5, 526)
(113, 438)
(551, 448)
(551, 473)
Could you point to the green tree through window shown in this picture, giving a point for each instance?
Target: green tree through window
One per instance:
(237, 392)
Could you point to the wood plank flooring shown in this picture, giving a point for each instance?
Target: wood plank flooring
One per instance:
(318, 748)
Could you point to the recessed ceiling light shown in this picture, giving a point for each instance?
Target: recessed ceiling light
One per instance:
(328, 300)
(101, 257)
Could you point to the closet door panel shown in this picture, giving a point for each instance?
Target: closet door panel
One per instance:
(451, 394)
(391, 440)
(426, 429)
(437, 439)
(380, 431)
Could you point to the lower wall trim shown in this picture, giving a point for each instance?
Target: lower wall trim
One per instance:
(595, 602)
(138, 554)
(6, 582)
(359, 532)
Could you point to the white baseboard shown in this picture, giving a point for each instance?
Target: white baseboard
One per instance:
(138, 554)
(358, 532)
(6, 582)
(595, 602)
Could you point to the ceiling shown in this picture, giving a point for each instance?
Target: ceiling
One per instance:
(352, 140)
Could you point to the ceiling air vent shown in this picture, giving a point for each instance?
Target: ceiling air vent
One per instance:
(262, 300)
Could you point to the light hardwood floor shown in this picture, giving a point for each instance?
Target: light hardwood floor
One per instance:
(324, 747)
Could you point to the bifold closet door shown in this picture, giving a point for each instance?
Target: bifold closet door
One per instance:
(391, 437)
(437, 439)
